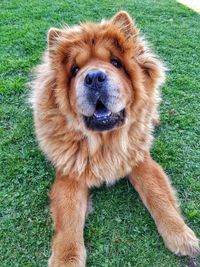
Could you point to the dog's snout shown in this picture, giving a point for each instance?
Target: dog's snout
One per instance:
(95, 78)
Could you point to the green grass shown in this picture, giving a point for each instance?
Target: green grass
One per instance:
(120, 232)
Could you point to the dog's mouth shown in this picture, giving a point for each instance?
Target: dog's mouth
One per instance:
(103, 119)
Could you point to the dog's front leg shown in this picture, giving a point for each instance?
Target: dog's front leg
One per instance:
(68, 205)
(157, 194)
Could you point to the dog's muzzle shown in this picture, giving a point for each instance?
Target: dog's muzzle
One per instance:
(102, 119)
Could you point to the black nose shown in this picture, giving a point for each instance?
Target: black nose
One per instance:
(95, 78)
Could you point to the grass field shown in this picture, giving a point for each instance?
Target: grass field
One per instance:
(120, 232)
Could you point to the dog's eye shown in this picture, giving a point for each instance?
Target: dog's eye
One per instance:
(116, 62)
(74, 70)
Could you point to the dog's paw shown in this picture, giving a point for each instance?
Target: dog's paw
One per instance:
(58, 263)
(70, 262)
(183, 243)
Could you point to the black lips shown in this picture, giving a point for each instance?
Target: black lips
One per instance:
(103, 119)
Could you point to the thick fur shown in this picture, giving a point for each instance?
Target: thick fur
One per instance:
(84, 158)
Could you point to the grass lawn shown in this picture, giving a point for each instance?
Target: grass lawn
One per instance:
(120, 231)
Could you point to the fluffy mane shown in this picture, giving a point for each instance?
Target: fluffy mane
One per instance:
(71, 148)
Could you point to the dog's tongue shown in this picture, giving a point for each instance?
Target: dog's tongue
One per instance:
(101, 111)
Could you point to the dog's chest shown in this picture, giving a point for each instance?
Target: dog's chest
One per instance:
(109, 162)
(110, 165)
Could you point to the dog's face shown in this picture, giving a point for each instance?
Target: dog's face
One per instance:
(101, 92)
(98, 76)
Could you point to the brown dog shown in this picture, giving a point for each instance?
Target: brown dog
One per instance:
(95, 100)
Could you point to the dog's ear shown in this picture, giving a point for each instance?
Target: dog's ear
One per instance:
(125, 23)
(153, 69)
(53, 35)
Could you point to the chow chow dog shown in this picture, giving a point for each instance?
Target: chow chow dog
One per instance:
(95, 99)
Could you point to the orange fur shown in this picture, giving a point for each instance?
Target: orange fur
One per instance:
(84, 158)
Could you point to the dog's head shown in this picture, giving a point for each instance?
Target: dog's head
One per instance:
(102, 71)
